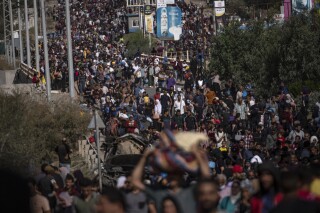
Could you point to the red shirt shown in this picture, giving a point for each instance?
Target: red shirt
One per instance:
(131, 126)
(157, 96)
(307, 195)
(282, 140)
(257, 204)
(287, 116)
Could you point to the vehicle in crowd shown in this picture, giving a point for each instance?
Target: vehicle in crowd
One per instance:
(121, 156)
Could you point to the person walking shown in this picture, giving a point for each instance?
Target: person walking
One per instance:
(63, 151)
(190, 122)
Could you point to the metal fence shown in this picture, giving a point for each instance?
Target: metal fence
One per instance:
(28, 71)
(171, 56)
(89, 153)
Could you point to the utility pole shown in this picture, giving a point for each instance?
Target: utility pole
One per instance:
(7, 30)
(97, 124)
(36, 34)
(143, 18)
(13, 52)
(20, 33)
(27, 32)
(98, 148)
(4, 31)
(45, 45)
(204, 49)
(10, 52)
(214, 21)
(40, 15)
(70, 56)
(139, 17)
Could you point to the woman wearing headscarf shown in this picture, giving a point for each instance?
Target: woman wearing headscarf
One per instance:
(156, 115)
(157, 108)
(216, 85)
(314, 140)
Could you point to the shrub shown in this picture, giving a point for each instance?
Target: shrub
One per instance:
(31, 129)
(296, 87)
(136, 41)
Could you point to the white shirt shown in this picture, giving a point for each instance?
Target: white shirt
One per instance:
(218, 136)
(156, 70)
(103, 100)
(239, 95)
(104, 90)
(176, 96)
(111, 70)
(137, 73)
(157, 109)
(122, 115)
(179, 105)
(135, 68)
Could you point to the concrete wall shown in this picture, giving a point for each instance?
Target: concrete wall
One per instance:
(7, 85)
(7, 76)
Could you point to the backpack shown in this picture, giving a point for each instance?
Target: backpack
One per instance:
(244, 94)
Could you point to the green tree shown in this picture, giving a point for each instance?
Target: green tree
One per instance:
(136, 41)
(266, 56)
(30, 129)
(237, 7)
(300, 50)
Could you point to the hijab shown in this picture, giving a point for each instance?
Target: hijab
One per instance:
(216, 79)
(158, 107)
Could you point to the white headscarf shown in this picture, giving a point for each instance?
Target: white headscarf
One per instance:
(314, 138)
(121, 181)
(63, 172)
(158, 107)
(216, 79)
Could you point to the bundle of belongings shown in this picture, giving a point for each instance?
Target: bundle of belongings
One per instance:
(173, 153)
(130, 144)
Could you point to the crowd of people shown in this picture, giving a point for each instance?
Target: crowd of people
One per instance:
(261, 155)
(233, 178)
(97, 29)
(198, 29)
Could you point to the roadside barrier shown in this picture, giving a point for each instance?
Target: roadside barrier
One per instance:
(28, 71)
(89, 152)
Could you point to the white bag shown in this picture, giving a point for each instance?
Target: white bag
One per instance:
(238, 136)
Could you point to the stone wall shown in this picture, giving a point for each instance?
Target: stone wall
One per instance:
(7, 77)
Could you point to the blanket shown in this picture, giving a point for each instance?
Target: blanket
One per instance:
(173, 153)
